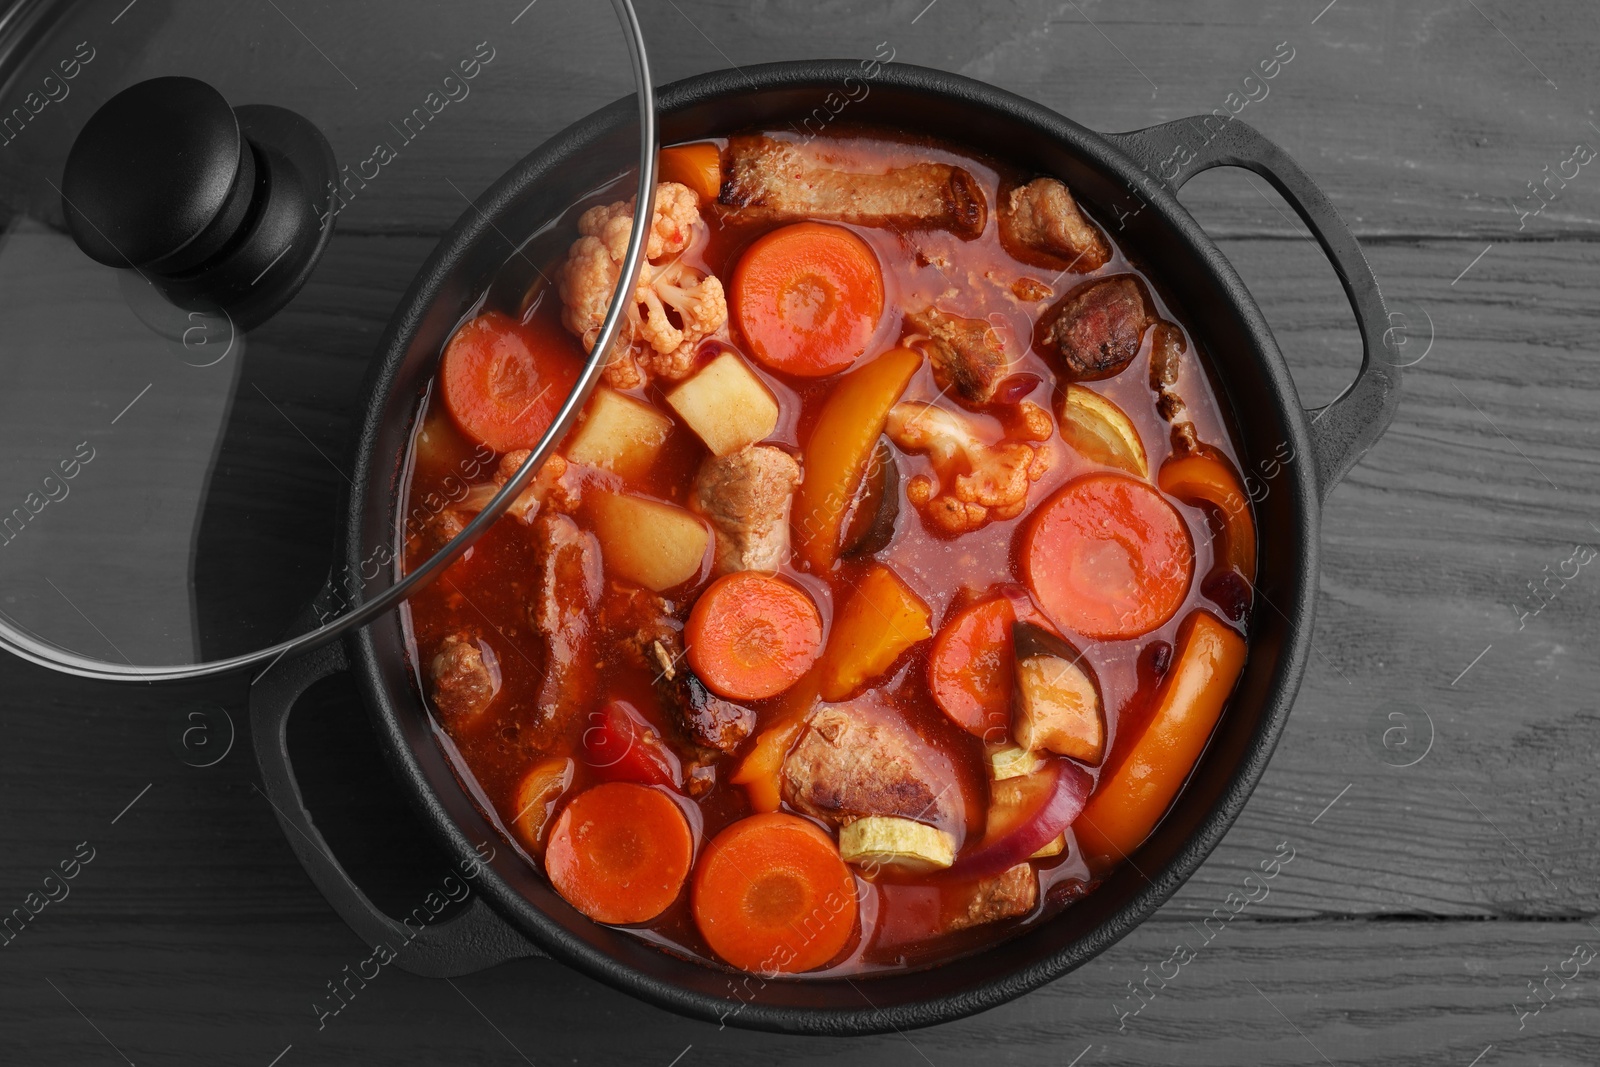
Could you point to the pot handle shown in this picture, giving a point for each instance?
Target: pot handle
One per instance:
(473, 939)
(1342, 431)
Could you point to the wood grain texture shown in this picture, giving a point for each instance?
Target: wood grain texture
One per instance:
(1259, 992)
(1422, 898)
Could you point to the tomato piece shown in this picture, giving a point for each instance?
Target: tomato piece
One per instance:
(970, 669)
(622, 747)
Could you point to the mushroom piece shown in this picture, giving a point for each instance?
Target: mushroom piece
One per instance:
(869, 524)
(1058, 706)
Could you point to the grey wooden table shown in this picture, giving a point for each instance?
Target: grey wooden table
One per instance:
(1437, 780)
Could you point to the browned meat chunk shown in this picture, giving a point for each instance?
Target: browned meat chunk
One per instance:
(968, 355)
(1095, 330)
(769, 179)
(709, 720)
(1007, 895)
(1166, 351)
(853, 760)
(643, 629)
(466, 677)
(746, 495)
(1040, 224)
(565, 601)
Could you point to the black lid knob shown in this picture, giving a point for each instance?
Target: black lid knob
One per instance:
(152, 176)
(218, 207)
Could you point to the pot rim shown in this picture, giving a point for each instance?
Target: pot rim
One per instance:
(375, 473)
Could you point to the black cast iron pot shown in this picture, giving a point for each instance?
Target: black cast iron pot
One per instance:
(1292, 458)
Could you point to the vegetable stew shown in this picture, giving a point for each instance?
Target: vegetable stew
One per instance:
(891, 585)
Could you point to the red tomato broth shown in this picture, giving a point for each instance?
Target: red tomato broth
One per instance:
(898, 913)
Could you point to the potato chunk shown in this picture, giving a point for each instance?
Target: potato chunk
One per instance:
(619, 434)
(655, 544)
(726, 404)
(1013, 762)
(881, 840)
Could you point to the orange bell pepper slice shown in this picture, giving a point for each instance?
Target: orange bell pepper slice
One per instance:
(758, 771)
(837, 452)
(699, 166)
(882, 619)
(1205, 478)
(1131, 799)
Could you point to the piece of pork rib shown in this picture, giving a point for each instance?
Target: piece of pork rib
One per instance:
(465, 676)
(746, 495)
(856, 759)
(1012, 892)
(565, 600)
(774, 180)
(968, 355)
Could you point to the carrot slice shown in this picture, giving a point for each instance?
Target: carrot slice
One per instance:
(503, 381)
(771, 895)
(752, 635)
(1107, 556)
(699, 166)
(970, 669)
(620, 852)
(807, 298)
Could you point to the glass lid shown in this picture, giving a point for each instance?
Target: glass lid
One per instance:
(208, 213)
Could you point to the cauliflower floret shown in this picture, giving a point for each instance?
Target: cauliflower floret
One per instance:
(978, 482)
(701, 308)
(550, 486)
(674, 308)
(677, 214)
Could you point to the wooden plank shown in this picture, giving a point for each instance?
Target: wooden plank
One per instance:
(194, 936)
(213, 989)
(1418, 120)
